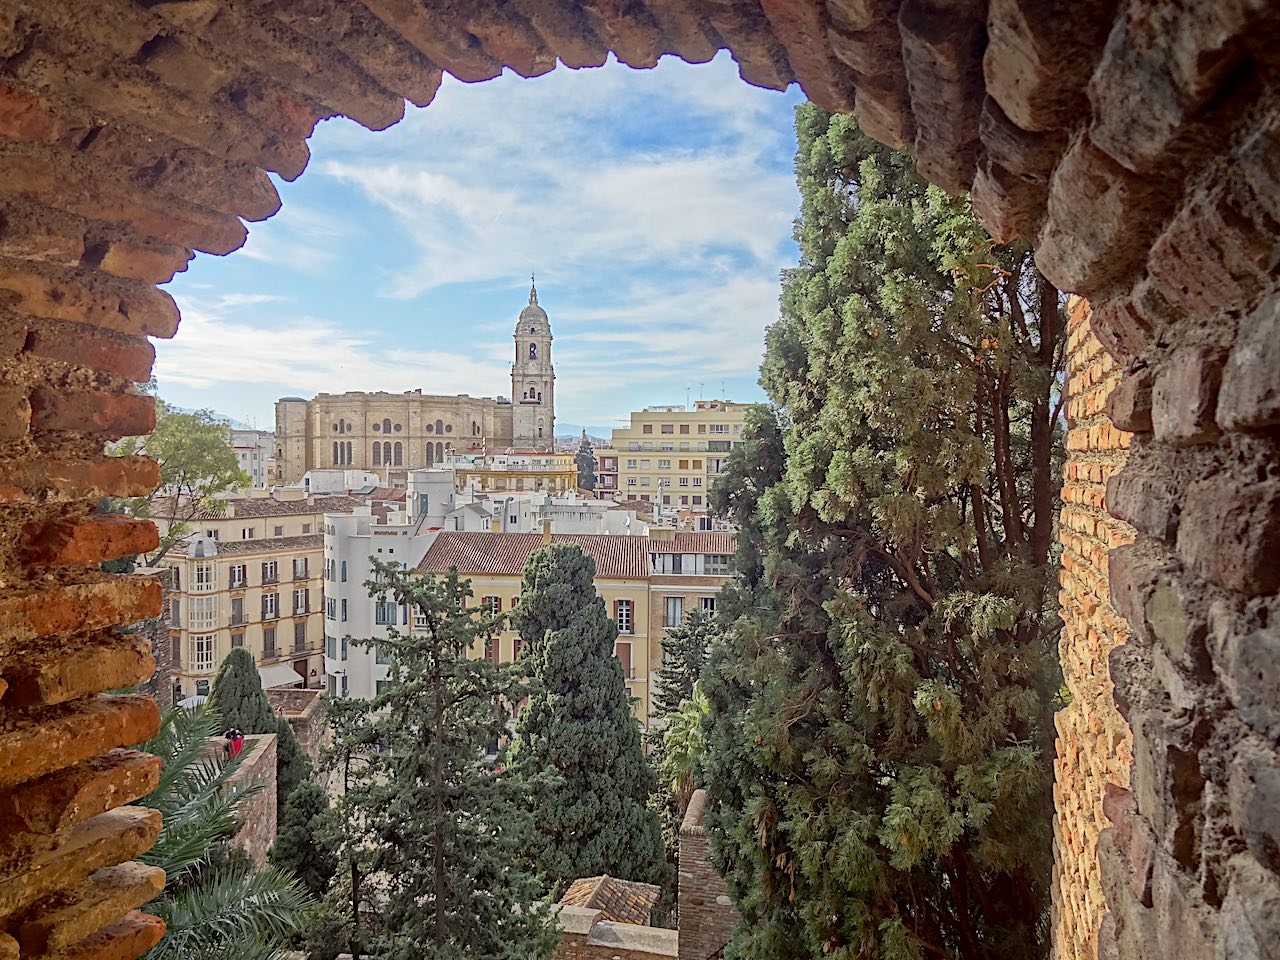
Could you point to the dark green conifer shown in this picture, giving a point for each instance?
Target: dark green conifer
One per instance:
(304, 843)
(238, 696)
(579, 728)
(684, 653)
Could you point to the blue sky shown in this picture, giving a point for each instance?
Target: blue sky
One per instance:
(655, 206)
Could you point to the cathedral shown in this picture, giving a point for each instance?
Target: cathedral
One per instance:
(392, 433)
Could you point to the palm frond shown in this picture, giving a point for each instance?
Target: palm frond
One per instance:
(233, 913)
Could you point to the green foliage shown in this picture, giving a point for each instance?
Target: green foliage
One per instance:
(585, 458)
(440, 827)
(292, 765)
(213, 902)
(682, 745)
(878, 748)
(238, 697)
(196, 463)
(579, 728)
(304, 844)
(684, 654)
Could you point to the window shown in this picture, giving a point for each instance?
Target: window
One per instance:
(239, 575)
(246, 533)
(377, 454)
(299, 568)
(646, 428)
(380, 687)
(384, 612)
(717, 564)
(344, 610)
(684, 428)
(668, 428)
(344, 648)
(664, 464)
(332, 683)
(684, 501)
(697, 481)
(386, 425)
(270, 606)
(330, 608)
(631, 481)
(709, 606)
(697, 502)
(202, 613)
(342, 575)
(702, 428)
(202, 653)
(205, 578)
(278, 531)
(268, 643)
(492, 604)
(211, 534)
(306, 528)
(675, 611)
(398, 454)
(719, 428)
(175, 612)
(631, 464)
(301, 601)
(237, 611)
(697, 464)
(237, 639)
(270, 572)
(645, 481)
(516, 644)
(622, 614)
(381, 654)
(623, 651)
(668, 563)
(331, 647)
(177, 577)
(344, 685)
(683, 482)
(684, 464)
(666, 501)
(299, 635)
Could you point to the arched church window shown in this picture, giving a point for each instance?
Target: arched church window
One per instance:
(335, 428)
(440, 453)
(539, 396)
(377, 454)
(386, 425)
(431, 455)
(439, 426)
(399, 454)
(348, 460)
(342, 424)
(335, 453)
(386, 454)
(533, 329)
(533, 351)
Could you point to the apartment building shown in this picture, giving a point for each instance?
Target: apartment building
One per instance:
(255, 452)
(250, 575)
(647, 583)
(606, 472)
(514, 471)
(669, 455)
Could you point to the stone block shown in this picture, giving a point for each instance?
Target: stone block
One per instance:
(97, 902)
(56, 801)
(1027, 154)
(1230, 533)
(801, 28)
(111, 415)
(59, 736)
(15, 413)
(104, 662)
(1249, 923)
(1129, 404)
(1250, 395)
(127, 938)
(76, 608)
(1254, 793)
(1249, 664)
(62, 480)
(1134, 571)
(69, 542)
(126, 306)
(1180, 918)
(1131, 839)
(86, 346)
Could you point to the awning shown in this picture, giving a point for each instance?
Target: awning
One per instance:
(278, 675)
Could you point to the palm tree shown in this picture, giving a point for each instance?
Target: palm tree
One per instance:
(213, 906)
(682, 744)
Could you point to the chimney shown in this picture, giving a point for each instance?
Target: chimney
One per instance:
(546, 532)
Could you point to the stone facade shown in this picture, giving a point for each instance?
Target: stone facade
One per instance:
(707, 914)
(257, 815)
(1094, 746)
(585, 936)
(305, 711)
(1135, 143)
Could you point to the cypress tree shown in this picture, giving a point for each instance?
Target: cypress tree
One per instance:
(439, 826)
(238, 696)
(292, 766)
(878, 753)
(585, 458)
(303, 844)
(579, 728)
(684, 653)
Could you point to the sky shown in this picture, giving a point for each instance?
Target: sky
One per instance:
(655, 208)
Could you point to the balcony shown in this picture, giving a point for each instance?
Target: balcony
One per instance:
(270, 578)
(238, 619)
(270, 653)
(270, 614)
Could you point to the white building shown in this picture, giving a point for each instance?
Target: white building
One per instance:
(253, 448)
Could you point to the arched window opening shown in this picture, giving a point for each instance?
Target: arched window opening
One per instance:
(431, 455)
(377, 454)
(348, 460)
(440, 452)
(533, 351)
(399, 454)
(386, 454)
(342, 425)
(386, 425)
(439, 426)
(335, 453)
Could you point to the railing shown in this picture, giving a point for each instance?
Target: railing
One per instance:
(270, 578)
(237, 619)
(269, 653)
(270, 614)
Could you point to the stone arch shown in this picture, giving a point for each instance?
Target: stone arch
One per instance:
(377, 454)
(335, 453)
(431, 455)
(439, 452)
(397, 454)
(1158, 207)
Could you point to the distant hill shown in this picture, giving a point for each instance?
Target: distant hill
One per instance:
(231, 422)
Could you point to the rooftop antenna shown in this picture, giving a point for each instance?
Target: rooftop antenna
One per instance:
(700, 386)
(687, 391)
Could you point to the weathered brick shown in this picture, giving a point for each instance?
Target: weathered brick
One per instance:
(1129, 404)
(1184, 396)
(801, 27)
(15, 412)
(8, 947)
(97, 902)
(59, 736)
(1230, 533)
(1250, 394)
(112, 415)
(109, 838)
(126, 306)
(86, 346)
(90, 540)
(76, 608)
(62, 480)
(127, 938)
(108, 662)
(59, 800)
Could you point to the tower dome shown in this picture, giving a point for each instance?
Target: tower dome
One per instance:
(534, 313)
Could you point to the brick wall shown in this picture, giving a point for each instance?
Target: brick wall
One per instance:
(584, 936)
(156, 630)
(1094, 746)
(257, 815)
(305, 711)
(707, 915)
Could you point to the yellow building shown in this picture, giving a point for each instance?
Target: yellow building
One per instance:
(251, 575)
(511, 471)
(669, 455)
(647, 583)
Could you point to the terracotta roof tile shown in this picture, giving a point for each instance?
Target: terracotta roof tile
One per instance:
(231, 548)
(622, 901)
(256, 507)
(709, 541)
(617, 557)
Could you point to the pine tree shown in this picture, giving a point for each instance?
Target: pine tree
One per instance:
(579, 727)
(684, 653)
(443, 827)
(304, 847)
(292, 766)
(238, 696)
(585, 458)
(878, 748)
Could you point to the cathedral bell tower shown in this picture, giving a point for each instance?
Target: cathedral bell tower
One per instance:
(533, 380)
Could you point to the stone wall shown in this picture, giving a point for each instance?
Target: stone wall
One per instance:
(1135, 142)
(584, 936)
(707, 914)
(305, 711)
(257, 815)
(156, 630)
(1094, 747)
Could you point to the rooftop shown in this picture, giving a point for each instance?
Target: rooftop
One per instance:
(623, 901)
(233, 548)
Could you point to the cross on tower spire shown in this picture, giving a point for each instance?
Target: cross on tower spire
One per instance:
(533, 289)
